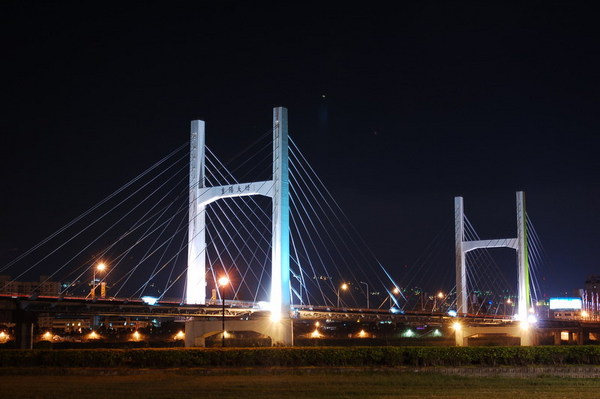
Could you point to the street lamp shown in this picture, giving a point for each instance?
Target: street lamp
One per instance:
(362, 282)
(223, 281)
(342, 287)
(508, 302)
(440, 295)
(395, 291)
(100, 267)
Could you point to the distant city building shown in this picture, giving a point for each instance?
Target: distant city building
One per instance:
(43, 287)
(591, 297)
(74, 324)
(565, 314)
(66, 324)
(592, 284)
(566, 308)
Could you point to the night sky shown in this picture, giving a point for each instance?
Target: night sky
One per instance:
(399, 109)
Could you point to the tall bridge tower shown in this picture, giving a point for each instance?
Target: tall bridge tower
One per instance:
(277, 188)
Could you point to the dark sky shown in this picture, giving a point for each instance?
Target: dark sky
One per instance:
(423, 101)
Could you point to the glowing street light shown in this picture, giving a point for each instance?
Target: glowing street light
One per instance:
(316, 333)
(585, 314)
(223, 282)
(408, 333)
(343, 287)
(100, 267)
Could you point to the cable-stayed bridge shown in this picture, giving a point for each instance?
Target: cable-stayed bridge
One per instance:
(266, 222)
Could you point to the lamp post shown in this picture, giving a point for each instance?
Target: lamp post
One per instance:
(508, 302)
(99, 267)
(342, 287)
(362, 282)
(395, 292)
(223, 281)
(440, 295)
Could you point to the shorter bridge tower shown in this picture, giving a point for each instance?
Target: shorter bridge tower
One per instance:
(519, 244)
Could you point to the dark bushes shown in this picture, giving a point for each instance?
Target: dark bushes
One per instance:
(387, 356)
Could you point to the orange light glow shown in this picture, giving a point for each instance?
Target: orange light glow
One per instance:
(223, 281)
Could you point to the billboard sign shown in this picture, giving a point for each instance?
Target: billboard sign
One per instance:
(565, 303)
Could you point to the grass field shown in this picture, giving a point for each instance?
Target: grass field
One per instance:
(366, 384)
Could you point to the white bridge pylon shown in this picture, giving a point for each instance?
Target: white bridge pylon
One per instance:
(201, 196)
(519, 244)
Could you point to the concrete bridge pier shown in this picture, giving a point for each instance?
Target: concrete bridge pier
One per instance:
(24, 321)
(527, 336)
(280, 332)
(574, 336)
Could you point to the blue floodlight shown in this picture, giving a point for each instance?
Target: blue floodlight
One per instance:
(150, 300)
